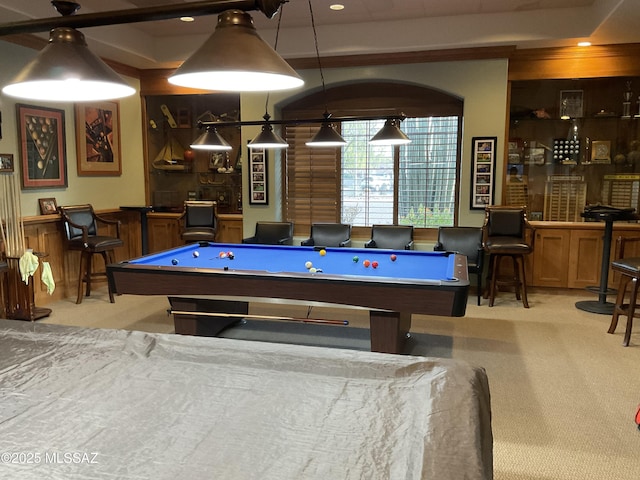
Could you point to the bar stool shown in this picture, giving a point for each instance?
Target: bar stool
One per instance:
(629, 270)
(507, 233)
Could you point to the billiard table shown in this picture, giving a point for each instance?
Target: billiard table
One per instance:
(392, 284)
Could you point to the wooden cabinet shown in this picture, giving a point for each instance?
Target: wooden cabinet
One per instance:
(551, 248)
(229, 229)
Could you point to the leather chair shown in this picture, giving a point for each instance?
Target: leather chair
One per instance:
(80, 227)
(507, 233)
(628, 266)
(272, 233)
(395, 237)
(466, 241)
(329, 235)
(199, 221)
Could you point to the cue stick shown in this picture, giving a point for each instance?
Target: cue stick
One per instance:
(261, 317)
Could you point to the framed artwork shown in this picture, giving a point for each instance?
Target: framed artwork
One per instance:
(98, 138)
(483, 161)
(48, 206)
(43, 159)
(257, 171)
(571, 104)
(6, 163)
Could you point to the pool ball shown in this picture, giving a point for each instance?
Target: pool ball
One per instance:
(196, 254)
(393, 257)
(312, 270)
(230, 255)
(356, 259)
(222, 255)
(323, 252)
(366, 263)
(308, 265)
(174, 261)
(374, 264)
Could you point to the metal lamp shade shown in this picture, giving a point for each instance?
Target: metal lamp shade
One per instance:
(327, 137)
(210, 140)
(267, 138)
(235, 58)
(390, 134)
(67, 71)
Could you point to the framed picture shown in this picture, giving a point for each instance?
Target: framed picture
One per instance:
(257, 171)
(98, 138)
(483, 161)
(6, 162)
(48, 206)
(571, 104)
(43, 159)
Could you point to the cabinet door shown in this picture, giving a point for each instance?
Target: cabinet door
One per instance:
(229, 231)
(551, 259)
(585, 258)
(164, 233)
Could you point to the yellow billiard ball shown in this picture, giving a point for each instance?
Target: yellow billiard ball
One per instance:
(323, 252)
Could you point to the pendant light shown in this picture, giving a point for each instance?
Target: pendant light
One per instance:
(211, 140)
(390, 134)
(66, 70)
(235, 58)
(327, 136)
(267, 138)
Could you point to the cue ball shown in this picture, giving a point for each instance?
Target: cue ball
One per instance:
(393, 257)
(312, 270)
(174, 261)
(196, 254)
(374, 264)
(366, 263)
(323, 252)
(308, 265)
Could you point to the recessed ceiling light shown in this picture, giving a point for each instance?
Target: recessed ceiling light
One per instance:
(187, 19)
(336, 6)
(584, 44)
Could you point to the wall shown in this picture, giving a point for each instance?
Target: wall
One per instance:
(102, 192)
(481, 83)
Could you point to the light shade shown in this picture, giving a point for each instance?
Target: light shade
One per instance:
(210, 140)
(67, 71)
(327, 137)
(236, 59)
(267, 138)
(390, 134)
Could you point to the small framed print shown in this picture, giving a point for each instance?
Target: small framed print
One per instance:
(601, 151)
(48, 206)
(571, 104)
(6, 163)
(98, 138)
(483, 161)
(257, 171)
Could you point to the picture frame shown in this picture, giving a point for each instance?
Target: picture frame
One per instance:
(48, 206)
(483, 162)
(571, 104)
(6, 163)
(98, 138)
(257, 173)
(41, 136)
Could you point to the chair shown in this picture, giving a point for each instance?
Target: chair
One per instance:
(507, 233)
(199, 221)
(80, 226)
(629, 270)
(395, 237)
(329, 235)
(272, 233)
(466, 241)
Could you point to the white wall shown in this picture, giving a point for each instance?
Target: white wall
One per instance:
(481, 83)
(102, 192)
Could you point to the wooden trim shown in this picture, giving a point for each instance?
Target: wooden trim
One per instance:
(575, 62)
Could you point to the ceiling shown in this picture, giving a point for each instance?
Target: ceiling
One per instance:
(363, 26)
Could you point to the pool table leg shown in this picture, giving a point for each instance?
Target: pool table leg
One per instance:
(202, 325)
(389, 330)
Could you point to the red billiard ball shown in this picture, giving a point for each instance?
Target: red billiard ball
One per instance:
(374, 264)
(366, 263)
(393, 257)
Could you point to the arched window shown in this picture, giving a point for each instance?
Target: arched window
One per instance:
(360, 184)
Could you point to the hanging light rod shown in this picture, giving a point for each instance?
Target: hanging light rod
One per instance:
(304, 121)
(135, 15)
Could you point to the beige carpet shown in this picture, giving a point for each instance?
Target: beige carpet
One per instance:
(564, 392)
